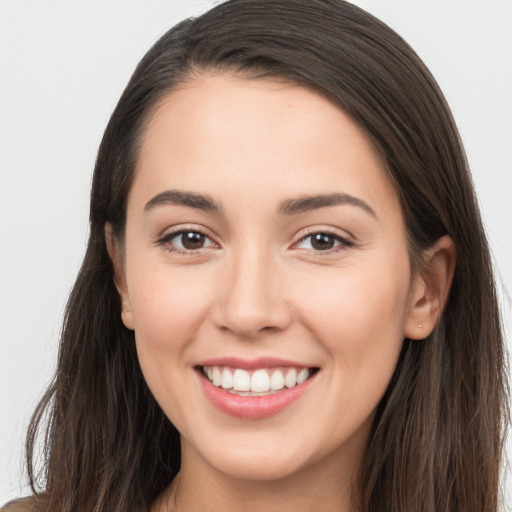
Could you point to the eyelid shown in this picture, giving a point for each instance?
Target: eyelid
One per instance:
(346, 240)
(169, 233)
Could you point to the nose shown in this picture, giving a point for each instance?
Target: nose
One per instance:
(252, 300)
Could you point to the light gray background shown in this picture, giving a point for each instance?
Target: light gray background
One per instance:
(63, 66)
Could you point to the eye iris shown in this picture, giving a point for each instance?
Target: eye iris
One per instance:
(192, 240)
(322, 242)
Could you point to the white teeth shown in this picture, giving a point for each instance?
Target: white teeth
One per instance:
(277, 380)
(216, 377)
(260, 381)
(290, 379)
(302, 375)
(227, 379)
(241, 380)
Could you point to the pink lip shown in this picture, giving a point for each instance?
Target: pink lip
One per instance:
(251, 364)
(252, 407)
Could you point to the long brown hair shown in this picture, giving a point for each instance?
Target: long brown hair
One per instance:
(437, 438)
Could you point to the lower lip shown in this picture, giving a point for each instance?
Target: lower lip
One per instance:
(253, 407)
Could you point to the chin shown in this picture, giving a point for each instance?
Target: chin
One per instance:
(260, 456)
(260, 466)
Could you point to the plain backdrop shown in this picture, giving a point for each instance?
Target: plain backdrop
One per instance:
(63, 65)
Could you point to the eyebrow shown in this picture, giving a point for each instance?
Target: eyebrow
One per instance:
(288, 207)
(183, 198)
(307, 203)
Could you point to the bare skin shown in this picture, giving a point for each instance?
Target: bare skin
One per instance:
(328, 286)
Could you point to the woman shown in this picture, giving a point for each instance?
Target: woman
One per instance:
(287, 300)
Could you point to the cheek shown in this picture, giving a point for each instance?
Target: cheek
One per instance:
(358, 319)
(358, 315)
(167, 307)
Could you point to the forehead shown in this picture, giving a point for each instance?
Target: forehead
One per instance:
(222, 132)
(220, 104)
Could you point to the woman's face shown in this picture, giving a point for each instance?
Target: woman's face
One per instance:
(264, 245)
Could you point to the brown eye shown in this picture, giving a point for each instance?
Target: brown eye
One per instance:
(322, 241)
(186, 241)
(192, 240)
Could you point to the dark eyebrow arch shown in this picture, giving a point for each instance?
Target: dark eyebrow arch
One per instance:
(184, 198)
(307, 203)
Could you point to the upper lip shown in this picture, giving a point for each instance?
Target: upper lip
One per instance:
(251, 364)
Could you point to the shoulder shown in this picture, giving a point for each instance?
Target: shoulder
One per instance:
(21, 505)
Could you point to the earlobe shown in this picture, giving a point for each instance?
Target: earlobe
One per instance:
(127, 318)
(430, 289)
(115, 254)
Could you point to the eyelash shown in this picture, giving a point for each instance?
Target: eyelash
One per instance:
(343, 243)
(166, 239)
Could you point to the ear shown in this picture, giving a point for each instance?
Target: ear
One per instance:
(115, 253)
(430, 289)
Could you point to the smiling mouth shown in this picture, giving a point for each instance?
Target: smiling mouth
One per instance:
(257, 382)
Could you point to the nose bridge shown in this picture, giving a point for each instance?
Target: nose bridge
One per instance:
(253, 294)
